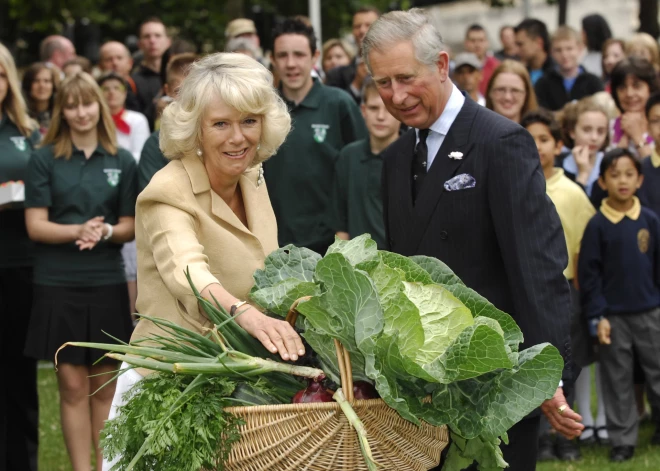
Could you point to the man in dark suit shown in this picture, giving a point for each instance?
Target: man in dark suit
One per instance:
(464, 185)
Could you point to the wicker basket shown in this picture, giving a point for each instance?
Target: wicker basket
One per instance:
(318, 437)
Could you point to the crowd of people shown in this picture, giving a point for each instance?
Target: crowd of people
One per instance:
(87, 139)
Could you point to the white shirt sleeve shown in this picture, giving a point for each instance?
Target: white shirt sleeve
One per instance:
(139, 134)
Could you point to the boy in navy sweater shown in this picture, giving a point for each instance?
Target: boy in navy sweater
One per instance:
(619, 276)
(649, 193)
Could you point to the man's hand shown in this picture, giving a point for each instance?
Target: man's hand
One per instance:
(604, 330)
(566, 422)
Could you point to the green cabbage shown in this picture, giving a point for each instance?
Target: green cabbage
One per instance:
(414, 329)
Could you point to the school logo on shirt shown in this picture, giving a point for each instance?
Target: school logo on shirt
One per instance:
(113, 175)
(643, 237)
(19, 142)
(320, 132)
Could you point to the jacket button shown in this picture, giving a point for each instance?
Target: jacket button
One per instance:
(443, 235)
(391, 241)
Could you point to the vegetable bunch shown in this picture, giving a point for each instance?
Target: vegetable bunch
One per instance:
(414, 329)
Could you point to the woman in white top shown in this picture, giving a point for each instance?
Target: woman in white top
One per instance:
(132, 133)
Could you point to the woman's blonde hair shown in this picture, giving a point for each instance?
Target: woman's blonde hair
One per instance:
(647, 42)
(336, 42)
(80, 87)
(240, 82)
(14, 105)
(514, 67)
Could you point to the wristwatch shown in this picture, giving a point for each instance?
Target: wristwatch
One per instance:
(109, 233)
(235, 306)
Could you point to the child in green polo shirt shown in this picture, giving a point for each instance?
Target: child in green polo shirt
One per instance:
(356, 200)
(80, 208)
(575, 210)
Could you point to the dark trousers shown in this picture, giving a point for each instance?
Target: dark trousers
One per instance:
(19, 405)
(631, 333)
(520, 453)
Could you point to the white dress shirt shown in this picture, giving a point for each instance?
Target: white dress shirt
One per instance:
(139, 134)
(440, 128)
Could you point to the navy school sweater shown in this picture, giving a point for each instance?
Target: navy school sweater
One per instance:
(649, 193)
(619, 265)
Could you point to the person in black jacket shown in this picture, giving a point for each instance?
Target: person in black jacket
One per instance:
(568, 81)
(350, 77)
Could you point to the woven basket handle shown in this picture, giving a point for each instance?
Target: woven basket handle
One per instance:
(343, 357)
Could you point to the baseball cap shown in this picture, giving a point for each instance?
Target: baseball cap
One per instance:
(240, 26)
(467, 58)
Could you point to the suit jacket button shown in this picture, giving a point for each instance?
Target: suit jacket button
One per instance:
(443, 235)
(391, 241)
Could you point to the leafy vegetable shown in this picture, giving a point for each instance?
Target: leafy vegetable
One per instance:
(415, 329)
(182, 435)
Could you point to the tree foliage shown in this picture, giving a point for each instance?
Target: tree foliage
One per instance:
(23, 24)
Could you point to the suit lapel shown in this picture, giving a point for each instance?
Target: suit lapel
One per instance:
(442, 169)
(199, 180)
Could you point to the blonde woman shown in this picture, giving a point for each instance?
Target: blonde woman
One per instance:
(19, 406)
(644, 46)
(80, 207)
(208, 210)
(336, 52)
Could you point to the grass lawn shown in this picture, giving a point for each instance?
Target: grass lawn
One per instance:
(53, 456)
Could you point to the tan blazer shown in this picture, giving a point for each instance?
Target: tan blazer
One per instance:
(180, 222)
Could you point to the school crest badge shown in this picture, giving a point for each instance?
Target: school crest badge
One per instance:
(113, 175)
(320, 132)
(643, 237)
(19, 142)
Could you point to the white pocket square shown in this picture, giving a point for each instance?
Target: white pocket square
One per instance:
(460, 182)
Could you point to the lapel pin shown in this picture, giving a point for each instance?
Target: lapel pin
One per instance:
(456, 155)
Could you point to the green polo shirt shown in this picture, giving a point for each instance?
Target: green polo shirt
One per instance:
(151, 161)
(300, 175)
(357, 200)
(75, 191)
(15, 149)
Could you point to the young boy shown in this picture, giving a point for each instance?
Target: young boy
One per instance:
(619, 274)
(649, 193)
(357, 204)
(575, 210)
(568, 81)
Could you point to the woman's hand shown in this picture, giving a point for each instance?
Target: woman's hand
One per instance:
(276, 335)
(91, 231)
(634, 125)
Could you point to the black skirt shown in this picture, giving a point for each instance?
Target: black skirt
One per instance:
(81, 314)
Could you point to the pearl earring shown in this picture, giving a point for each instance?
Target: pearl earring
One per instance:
(199, 152)
(258, 146)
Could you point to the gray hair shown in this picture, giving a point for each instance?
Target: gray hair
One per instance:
(397, 26)
(241, 44)
(49, 46)
(243, 84)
